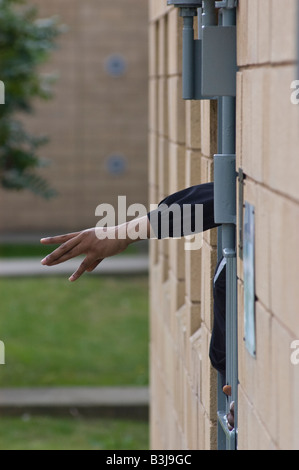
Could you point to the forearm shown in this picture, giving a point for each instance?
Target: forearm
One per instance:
(136, 230)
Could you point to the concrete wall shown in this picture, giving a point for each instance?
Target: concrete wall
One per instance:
(182, 141)
(92, 116)
(267, 150)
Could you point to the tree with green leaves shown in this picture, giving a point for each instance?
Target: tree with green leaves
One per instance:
(25, 44)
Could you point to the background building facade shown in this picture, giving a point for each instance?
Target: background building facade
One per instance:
(182, 142)
(96, 122)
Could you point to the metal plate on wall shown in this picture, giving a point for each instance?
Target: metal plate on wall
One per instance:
(219, 61)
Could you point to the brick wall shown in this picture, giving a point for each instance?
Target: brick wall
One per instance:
(92, 117)
(267, 150)
(182, 142)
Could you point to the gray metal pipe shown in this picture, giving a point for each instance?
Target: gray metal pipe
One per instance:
(188, 55)
(228, 108)
(209, 16)
(228, 134)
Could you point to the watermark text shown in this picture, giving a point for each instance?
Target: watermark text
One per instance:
(295, 93)
(295, 353)
(166, 221)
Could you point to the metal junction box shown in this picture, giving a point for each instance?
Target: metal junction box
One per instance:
(219, 61)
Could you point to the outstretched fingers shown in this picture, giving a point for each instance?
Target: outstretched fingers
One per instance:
(63, 252)
(94, 265)
(57, 240)
(84, 266)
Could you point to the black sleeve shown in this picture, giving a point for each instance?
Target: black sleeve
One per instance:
(175, 220)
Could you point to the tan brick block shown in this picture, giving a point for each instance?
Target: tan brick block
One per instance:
(210, 237)
(177, 293)
(242, 32)
(239, 120)
(169, 365)
(157, 9)
(163, 168)
(207, 169)
(162, 46)
(193, 428)
(211, 434)
(153, 105)
(295, 392)
(175, 27)
(263, 211)
(176, 110)
(262, 396)
(255, 123)
(284, 392)
(193, 320)
(201, 427)
(281, 165)
(153, 160)
(264, 31)
(193, 124)
(153, 49)
(193, 274)
(194, 366)
(285, 261)
(153, 196)
(209, 377)
(176, 167)
(252, 434)
(153, 252)
(193, 168)
(177, 257)
(179, 393)
(163, 305)
(283, 46)
(179, 332)
(163, 266)
(241, 328)
(253, 28)
(190, 423)
(163, 107)
(260, 198)
(244, 412)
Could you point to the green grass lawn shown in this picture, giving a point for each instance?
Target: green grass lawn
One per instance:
(45, 433)
(91, 332)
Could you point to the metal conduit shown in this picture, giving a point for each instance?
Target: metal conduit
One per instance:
(227, 119)
(206, 59)
(188, 53)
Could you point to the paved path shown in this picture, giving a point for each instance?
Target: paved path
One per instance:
(105, 402)
(121, 264)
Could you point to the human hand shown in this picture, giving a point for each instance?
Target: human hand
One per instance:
(94, 243)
